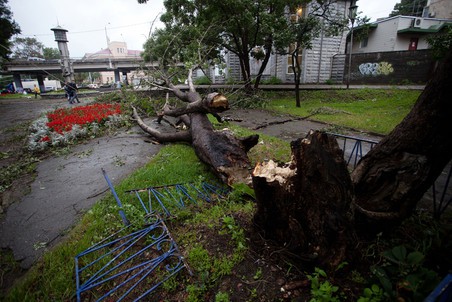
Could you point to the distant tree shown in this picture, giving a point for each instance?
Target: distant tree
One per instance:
(81, 77)
(303, 27)
(441, 42)
(51, 53)
(246, 28)
(27, 47)
(409, 8)
(95, 76)
(8, 28)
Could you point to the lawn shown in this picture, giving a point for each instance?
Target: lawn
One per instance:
(369, 110)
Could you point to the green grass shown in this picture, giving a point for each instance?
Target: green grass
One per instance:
(53, 277)
(17, 96)
(369, 110)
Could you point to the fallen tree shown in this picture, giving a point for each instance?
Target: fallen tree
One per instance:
(226, 154)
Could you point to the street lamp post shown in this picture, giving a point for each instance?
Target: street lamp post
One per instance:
(351, 15)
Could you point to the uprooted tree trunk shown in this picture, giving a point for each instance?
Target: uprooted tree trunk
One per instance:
(222, 151)
(314, 208)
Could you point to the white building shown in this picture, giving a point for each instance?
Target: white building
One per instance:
(115, 50)
(398, 33)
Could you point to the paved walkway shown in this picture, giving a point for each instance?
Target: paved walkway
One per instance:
(65, 186)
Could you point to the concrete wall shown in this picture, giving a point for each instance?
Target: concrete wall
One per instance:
(318, 60)
(399, 67)
(439, 9)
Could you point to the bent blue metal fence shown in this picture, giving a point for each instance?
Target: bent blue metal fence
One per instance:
(160, 199)
(123, 266)
(354, 148)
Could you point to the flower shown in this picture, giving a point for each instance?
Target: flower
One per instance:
(65, 124)
(45, 139)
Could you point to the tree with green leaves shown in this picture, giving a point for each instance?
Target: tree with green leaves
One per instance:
(27, 47)
(50, 53)
(409, 8)
(8, 28)
(303, 28)
(231, 26)
(441, 42)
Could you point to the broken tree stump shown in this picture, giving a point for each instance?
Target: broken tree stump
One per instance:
(306, 205)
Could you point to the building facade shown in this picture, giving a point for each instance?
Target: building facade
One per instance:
(438, 9)
(391, 51)
(115, 50)
(398, 33)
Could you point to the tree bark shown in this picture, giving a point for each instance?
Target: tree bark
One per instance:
(306, 205)
(391, 179)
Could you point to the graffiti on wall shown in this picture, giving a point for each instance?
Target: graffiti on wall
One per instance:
(375, 69)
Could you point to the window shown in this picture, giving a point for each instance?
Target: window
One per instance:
(289, 58)
(363, 42)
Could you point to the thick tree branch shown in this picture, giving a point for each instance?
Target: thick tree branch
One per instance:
(395, 174)
(213, 103)
(162, 137)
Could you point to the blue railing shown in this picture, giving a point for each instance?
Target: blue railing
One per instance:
(122, 266)
(130, 264)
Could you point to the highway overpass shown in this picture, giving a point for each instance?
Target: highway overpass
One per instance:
(42, 68)
(91, 65)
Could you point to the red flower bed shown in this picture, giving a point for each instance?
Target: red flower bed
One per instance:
(63, 119)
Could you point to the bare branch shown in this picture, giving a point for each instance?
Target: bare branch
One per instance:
(184, 136)
(190, 80)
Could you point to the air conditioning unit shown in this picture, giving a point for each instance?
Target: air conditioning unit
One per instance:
(418, 22)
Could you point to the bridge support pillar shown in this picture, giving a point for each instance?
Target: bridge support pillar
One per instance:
(124, 76)
(17, 80)
(117, 76)
(41, 85)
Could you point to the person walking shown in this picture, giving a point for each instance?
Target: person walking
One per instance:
(71, 91)
(36, 91)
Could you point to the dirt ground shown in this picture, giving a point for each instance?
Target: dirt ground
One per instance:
(38, 210)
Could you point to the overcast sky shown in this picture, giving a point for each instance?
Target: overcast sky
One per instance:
(124, 20)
